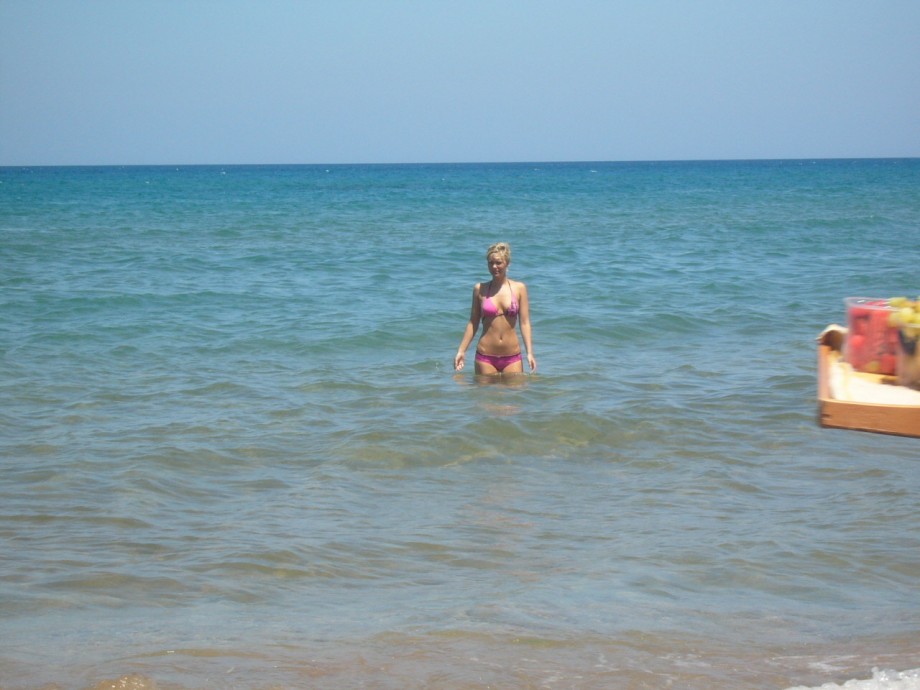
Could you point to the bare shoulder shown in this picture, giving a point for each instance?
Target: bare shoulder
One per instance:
(477, 292)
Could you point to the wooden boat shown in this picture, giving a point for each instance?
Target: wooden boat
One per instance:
(848, 399)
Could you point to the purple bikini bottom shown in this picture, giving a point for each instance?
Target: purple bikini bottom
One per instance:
(500, 362)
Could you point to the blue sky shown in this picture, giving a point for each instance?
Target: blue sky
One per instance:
(367, 81)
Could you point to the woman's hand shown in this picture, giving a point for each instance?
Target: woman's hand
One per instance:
(532, 361)
(459, 360)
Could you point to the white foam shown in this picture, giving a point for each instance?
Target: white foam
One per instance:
(881, 680)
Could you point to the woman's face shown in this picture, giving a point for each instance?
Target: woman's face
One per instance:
(497, 265)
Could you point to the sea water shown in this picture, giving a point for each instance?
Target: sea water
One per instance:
(235, 453)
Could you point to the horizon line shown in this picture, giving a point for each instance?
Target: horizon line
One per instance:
(458, 163)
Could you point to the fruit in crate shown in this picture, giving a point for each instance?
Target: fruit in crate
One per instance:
(872, 344)
(906, 315)
(906, 321)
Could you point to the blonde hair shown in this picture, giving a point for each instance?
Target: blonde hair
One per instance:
(503, 249)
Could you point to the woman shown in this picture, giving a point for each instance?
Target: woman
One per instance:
(500, 304)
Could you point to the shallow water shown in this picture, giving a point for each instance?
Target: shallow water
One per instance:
(235, 453)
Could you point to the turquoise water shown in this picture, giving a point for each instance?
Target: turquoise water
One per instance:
(235, 453)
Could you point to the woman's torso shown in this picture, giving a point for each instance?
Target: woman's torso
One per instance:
(499, 308)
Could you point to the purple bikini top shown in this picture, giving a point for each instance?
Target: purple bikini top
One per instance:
(490, 309)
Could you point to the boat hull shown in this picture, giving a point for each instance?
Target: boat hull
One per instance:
(900, 420)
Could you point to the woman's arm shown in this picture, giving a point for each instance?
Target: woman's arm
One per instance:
(525, 327)
(470, 331)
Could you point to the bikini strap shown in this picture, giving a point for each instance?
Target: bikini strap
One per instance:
(511, 290)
